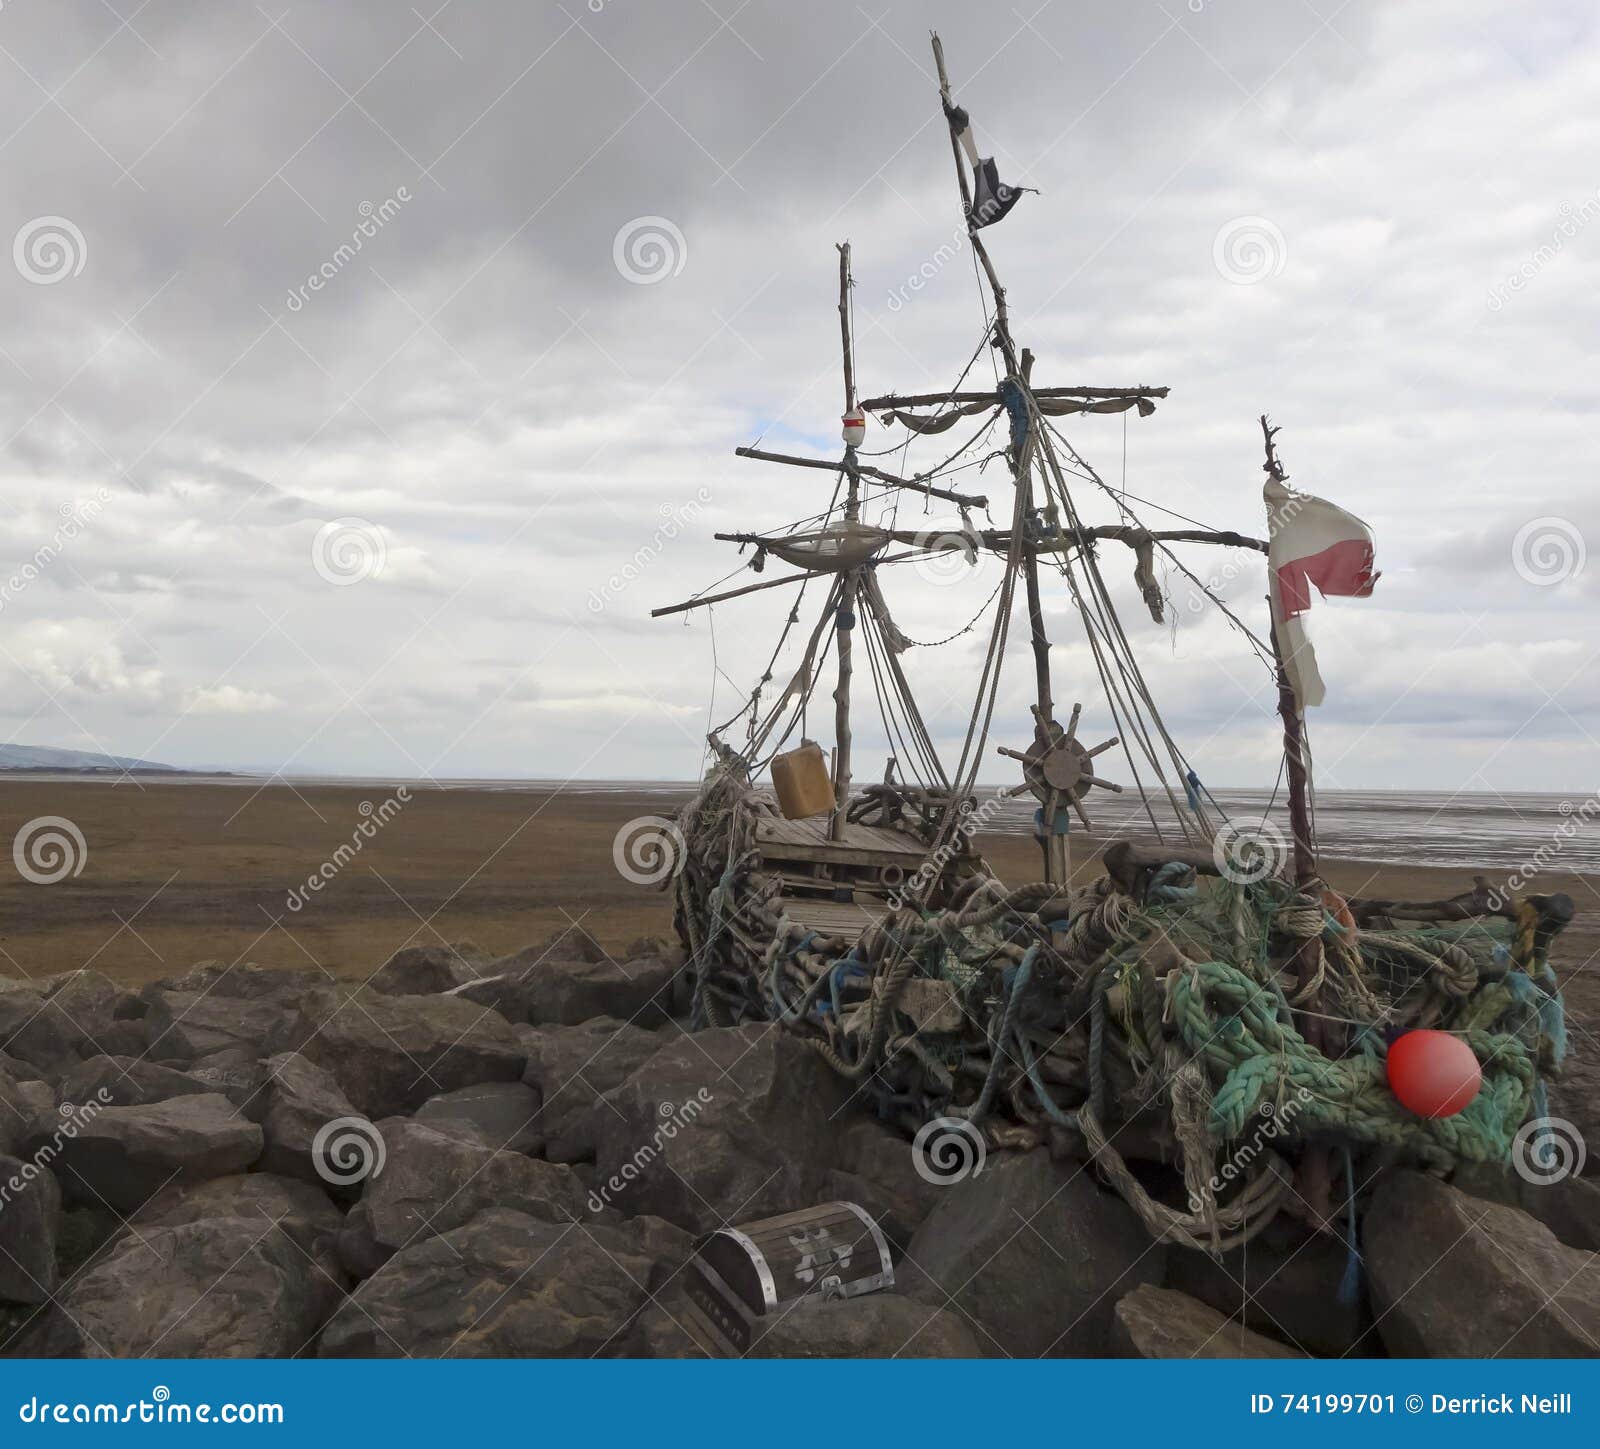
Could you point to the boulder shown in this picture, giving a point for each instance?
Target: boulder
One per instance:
(229, 1287)
(572, 979)
(426, 970)
(122, 1155)
(89, 1006)
(878, 1172)
(737, 1119)
(503, 1285)
(877, 1325)
(125, 1037)
(1156, 1322)
(1033, 1251)
(302, 1211)
(1458, 1277)
(391, 1053)
(237, 1072)
(1569, 1206)
(126, 1082)
(571, 1066)
(1286, 1283)
(30, 1214)
(185, 1026)
(502, 1115)
(43, 1041)
(426, 1182)
(27, 1112)
(243, 981)
(298, 1101)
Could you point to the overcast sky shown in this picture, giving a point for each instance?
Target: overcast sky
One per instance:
(319, 507)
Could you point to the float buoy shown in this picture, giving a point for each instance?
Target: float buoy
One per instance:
(1433, 1073)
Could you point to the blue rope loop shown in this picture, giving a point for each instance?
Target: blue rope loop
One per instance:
(1016, 406)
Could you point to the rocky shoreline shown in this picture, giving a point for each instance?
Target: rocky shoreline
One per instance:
(469, 1157)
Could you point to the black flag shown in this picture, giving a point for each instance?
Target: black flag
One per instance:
(991, 197)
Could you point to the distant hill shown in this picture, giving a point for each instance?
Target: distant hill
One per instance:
(40, 757)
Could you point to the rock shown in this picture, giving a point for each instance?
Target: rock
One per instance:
(30, 1214)
(1569, 1207)
(302, 1211)
(38, 1038)
(89, 1006)
(125, 1037)
(1155, 1322)
(229, 1287)
(878, 1172)
(27, 1112)
(1285, 1283)
(237, 1072)
(391, 1053)
(298, 1101)
(504, 1285)
(739, 1118)
(426, 970)
(126, 1082)
(571, 1066)
(1033, 1251)
(502, 1115)
(1458, 1277)
(877, 1325)
(186, 1025)
(242, 982)
(121, 1155)
(430, 1182)
(571, 979)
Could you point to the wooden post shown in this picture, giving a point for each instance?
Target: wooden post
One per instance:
(1018, 370)
(845, 627)
(1315, 1175)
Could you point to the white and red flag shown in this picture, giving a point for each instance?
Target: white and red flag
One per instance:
(1311, 541)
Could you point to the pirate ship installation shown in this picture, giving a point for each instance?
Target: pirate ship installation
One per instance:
(1206, 990)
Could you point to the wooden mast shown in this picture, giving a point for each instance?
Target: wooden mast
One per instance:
(847, 599)
(1294, 759)
(1053, 847)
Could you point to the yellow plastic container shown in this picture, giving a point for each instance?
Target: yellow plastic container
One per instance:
(801, 779)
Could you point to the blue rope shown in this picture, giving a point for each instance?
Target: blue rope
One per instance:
(1019, 987)
(1016, 406)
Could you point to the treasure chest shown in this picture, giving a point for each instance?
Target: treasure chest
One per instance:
(740, 1277)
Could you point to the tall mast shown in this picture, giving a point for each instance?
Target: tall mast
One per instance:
(1294, 759)
(847, 597)
(1018, 370)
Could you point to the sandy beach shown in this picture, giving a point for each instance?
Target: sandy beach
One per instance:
(180, 871)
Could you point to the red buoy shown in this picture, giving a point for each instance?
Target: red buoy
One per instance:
(1433, 1073)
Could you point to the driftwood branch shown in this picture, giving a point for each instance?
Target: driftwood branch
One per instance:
(965, 500)
(933, 399)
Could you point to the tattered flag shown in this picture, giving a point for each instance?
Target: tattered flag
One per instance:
(991, 197)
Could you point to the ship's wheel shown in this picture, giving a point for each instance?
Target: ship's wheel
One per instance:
(1057, 766)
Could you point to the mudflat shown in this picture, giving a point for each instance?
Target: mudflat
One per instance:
(175, 872)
